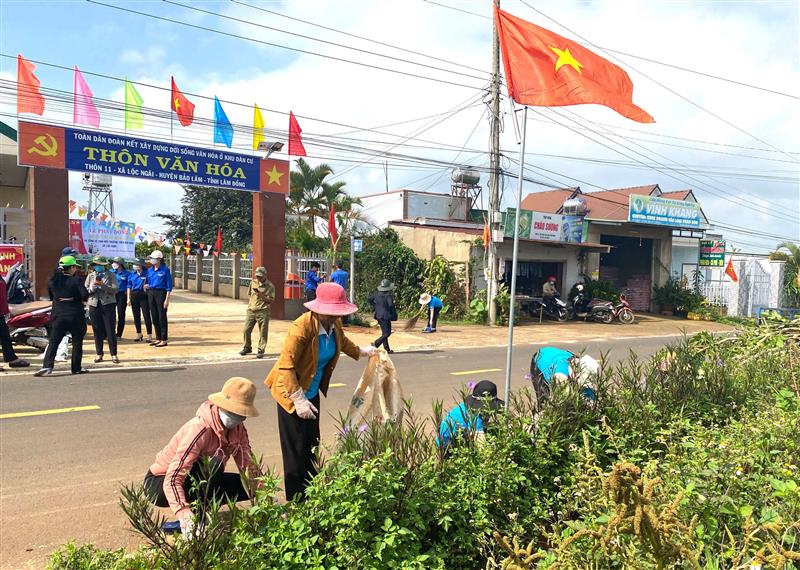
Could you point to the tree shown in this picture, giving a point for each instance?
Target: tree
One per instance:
(791, 276)
(306, 191)
(206, 209)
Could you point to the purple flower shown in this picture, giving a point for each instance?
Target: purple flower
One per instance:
(720, 362)
(471, 386)
(362, 428)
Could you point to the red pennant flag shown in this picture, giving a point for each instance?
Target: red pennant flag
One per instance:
(731, 272)
(296, 147)
(218, 244)
(544, 69)
(332, 227)
(29, 98)
(182, 106)
(72, 205)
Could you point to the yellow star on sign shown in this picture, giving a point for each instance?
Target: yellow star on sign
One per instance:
(274, 176)
(566, 58)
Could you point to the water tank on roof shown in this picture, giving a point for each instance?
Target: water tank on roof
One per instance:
(466, 176)
(575, 207)
(101, 180)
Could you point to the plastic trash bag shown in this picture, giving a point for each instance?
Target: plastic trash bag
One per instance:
(63, 349)
(379, 395)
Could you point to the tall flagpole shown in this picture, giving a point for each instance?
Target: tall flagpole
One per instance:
(510, 351)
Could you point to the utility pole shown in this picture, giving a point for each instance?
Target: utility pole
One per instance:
(494, 173)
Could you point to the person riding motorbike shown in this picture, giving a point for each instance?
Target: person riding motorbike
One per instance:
(549, 291)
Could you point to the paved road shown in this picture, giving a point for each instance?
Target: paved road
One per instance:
(60, 473)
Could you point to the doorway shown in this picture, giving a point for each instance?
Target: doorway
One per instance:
(531, 275)
(629, 266)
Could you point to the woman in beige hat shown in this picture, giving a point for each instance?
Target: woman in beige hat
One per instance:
(303, 371)
(201, 448)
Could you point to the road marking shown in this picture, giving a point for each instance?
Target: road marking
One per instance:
(48, 412)
(468, 372)
(336, 385)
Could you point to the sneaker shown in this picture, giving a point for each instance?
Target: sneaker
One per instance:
(432, 330)
(427, 330)
(260, 354)
(43, 372)
(171, 527)
(19, 363)
(82, 371)
(245, 351)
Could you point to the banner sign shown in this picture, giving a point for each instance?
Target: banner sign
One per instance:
(117, 155)
(664, 212)
(574, 229)
(10, 255)
(542, 226)
(93, 237)
(525, 222)
(712, 253)
(546, 226)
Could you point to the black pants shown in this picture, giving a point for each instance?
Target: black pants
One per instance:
(221, 486)
(63, 324)
(386, 331)
(5, 339)
(311, 294)
(140, 307)
(156, 298)
(103, 319)
(433, 317)
(122, 307)
(298, 438)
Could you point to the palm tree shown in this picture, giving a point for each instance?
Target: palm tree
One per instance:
(305, 191)
(791, 277)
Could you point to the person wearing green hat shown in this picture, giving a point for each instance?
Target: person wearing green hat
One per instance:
(103, 286)
(118, 268)
(68, 294)
(382, 302)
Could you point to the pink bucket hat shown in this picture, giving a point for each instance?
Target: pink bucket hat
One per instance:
(331, 300)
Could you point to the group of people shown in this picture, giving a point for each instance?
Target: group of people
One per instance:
(108, 289)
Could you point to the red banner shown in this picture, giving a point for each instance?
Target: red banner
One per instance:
(10, 255)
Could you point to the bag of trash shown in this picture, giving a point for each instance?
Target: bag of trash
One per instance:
(379, 395)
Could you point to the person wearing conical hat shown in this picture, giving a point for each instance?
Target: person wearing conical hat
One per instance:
(382, 302)
(199, 451)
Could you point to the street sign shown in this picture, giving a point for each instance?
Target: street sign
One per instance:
(358, 245)
(712, 253)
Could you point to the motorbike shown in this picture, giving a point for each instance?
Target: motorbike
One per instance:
(18, 286)
(595, 310)
(30, 323)
(623, 311)
(555, 309)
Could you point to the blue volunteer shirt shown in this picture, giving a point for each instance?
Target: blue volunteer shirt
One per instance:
(159, 278)
(551, 360)
(459, 419)
(340, 277)
(312, 280)
(123, 276)
(436, 303)
(327, 350)
(136, 281)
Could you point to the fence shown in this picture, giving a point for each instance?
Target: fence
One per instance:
(716, 292)
(299, 263)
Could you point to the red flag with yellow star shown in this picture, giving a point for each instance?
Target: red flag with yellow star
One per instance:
(182, 106)
(544, 69)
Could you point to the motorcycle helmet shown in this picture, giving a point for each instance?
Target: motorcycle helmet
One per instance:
(579, 287)
(68, 251)
(551, 279)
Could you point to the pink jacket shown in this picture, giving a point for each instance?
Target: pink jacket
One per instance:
(202, 436)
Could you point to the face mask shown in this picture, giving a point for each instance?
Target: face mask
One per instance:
(137, 268)
(115, 265)
(229, 419)
(99, 268)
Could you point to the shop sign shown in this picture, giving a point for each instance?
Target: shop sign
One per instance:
(117, 155)
(547, 227)
(663, 212)
(712, 253)
(10, 255)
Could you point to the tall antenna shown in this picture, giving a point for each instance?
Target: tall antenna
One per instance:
(99, 188)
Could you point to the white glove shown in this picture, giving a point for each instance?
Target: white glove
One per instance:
(304, 408)
(187, 527)
(368, 351)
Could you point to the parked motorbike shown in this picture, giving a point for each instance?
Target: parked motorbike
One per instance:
(30, 322)
(595, 310)
(555, 309)
(623, 311)
(18, 286)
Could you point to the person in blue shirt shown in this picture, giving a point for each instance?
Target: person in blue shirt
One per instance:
(434, 305)
(118, 268)
(469, 418)
(550, 364)
(137, 300)
(159, 289)
(340, 276)
(313, 279)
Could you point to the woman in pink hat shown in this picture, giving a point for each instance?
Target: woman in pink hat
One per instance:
(303, 370)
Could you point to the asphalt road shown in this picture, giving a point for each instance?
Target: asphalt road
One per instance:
(60, 473)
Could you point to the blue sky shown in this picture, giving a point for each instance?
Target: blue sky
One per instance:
(753, 42)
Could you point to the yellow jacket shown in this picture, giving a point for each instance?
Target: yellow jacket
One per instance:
(297, 364)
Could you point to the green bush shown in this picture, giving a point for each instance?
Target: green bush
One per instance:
(594, 289)
(674, 294)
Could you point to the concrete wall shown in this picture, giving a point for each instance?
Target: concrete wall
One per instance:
(685, 251)
(427, 243)
(441, 207)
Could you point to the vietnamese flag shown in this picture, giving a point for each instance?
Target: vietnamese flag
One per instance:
(29, 98)
(544, 69)
(731, 272)
(182, 106)
(332, 227)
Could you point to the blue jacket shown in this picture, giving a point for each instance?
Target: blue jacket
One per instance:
(340, 277)
(135, 281)
(160, 278)
(123, 275)
(436, 303)
(312, 280)
(550, 360)
(459, 419)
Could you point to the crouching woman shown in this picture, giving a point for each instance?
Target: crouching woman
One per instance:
(199, 451)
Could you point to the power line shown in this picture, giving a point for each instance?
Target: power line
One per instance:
(271, 44)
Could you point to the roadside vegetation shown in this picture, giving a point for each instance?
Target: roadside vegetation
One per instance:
(690, 459)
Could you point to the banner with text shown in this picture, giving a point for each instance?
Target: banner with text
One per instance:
(712, 253)
(543, 226)
(118, 155)
(664, 212)
(10, 255)
(92, 237)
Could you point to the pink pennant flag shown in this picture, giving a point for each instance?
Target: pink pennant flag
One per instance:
(84, 111)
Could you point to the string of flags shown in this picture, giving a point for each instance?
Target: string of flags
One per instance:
(85, 112)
